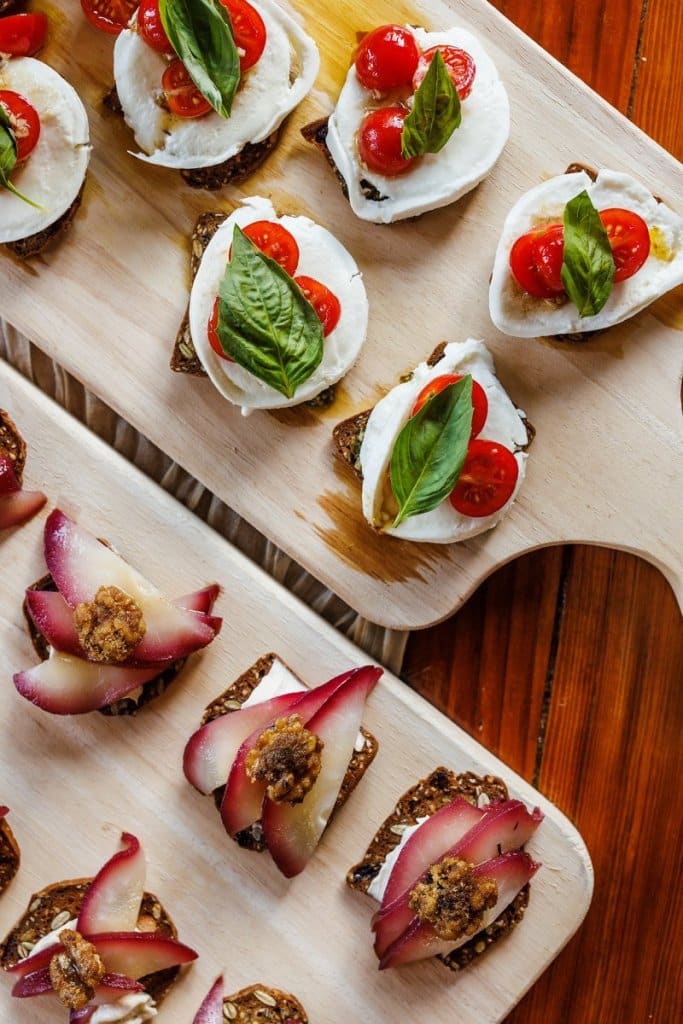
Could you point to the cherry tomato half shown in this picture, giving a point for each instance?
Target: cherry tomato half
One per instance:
(110, 16)
(629, 237)
(182, 95)
(151, 28)
(548, 254)
(480, 403)
(275, 241)
(461, 68)
(387, 58)
(22, 35)
(324, 302)
(24, 120)
(249, 31)
(212, 332)
(524, 267)
(379, 141)
(487, 480)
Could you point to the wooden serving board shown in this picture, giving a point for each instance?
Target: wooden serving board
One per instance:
(606, 466)
(74, 783)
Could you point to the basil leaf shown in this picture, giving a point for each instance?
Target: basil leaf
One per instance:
(201, 34)
(8, 158)
(588, 266)
(436, 112)
(430, 450)
(264, 322)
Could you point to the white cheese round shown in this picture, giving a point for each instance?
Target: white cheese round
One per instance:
(321, 257)
(523, 316)
(267, 93)
(504, 424)
(54, 172)
(437, 179)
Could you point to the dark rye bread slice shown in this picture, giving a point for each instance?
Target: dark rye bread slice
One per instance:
(259, 1004)
(126, 705)
(424, 799)
(10, 856)
(234, 697)
(53, 906)
(33, 245)
(347, 436)
(12, 445)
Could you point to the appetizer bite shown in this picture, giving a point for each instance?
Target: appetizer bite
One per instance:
(206, 84)
(253, 1005)
(278, 311)
(16, 505)
(109, 638)
(9, 851)
(421, 120)
(102, 947)
(279, 758)
(448, 870)
(581, 252)
(44, 141)
(443, 455)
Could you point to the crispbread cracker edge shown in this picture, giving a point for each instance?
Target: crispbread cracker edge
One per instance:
(10, 856)
(258, 1004)
(12, 445)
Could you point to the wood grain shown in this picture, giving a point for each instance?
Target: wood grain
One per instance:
(658, 99)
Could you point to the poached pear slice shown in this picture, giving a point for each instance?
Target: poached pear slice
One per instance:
(112, 902)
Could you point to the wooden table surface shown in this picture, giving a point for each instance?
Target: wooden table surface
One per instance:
(567, 662)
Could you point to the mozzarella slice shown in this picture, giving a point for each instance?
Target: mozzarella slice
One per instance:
(321, 257)
(54, 172)
(437, 179)
(267, 93)
(523, 316)
(504, 424)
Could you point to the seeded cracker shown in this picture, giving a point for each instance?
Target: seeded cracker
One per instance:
(259, 1004)
(424, 799)
(12, 445)
(233, 698)
(9, 855)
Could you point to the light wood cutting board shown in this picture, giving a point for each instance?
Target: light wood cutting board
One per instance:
(72, 784)
(606, 466)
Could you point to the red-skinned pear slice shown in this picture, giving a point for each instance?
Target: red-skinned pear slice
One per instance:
(292, 831)
(136, 954)
(64, 685)
(3, 812)
(511, 872)
(36, 963)
(112, 987)
(211, 1010)
(425, 846)
(504, 826)
(37, 983)
(19, 507)
(8, 478)
(243, 799)
(80, 565)
(212, 749)
(112, 902)
(201, 600)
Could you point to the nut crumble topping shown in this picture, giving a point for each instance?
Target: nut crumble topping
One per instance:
(286, 756)
(110, 626)
(76, 971)
(453, 899)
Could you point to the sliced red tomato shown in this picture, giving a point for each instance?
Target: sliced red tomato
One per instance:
(24, 120)
(182, 95)
(379, 142)
(110, 16)
(275, 241)
(460, 64)
(629, 237)
(324, 302)
(487, 480)
(524, 267)
(22, 35)
(387, 58)
(548, 254)
(249, 31)
(480, 403)
(151, 28)
(212, 332)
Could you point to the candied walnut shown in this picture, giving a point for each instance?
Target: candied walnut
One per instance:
(286, 756)
(76, 971)
(110, 627)
(453, 899)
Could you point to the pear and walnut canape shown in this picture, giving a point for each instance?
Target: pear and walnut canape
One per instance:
(109, 638)
(9, 851)
(16, 505)
(257, 1004)
(448, 869)
(96, 943)
(280, 758)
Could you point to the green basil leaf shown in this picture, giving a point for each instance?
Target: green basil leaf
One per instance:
(264, 321)
(436, 112)
(201, 34)
(8, 158)
(430, 450)
(588, 266)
